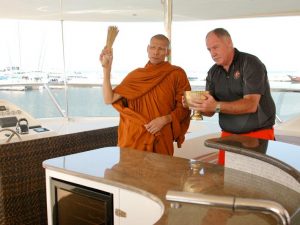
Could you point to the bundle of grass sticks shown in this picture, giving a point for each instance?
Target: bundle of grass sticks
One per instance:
(112, 33)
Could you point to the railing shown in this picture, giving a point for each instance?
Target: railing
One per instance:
(61, 111)
(284, 98)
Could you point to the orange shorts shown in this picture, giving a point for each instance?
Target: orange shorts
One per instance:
(267, 134)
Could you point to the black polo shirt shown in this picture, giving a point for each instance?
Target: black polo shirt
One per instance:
(247, 75)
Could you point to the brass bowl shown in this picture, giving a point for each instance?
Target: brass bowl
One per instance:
(189, 95)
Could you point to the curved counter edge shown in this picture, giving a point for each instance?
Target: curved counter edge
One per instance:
(253, 154)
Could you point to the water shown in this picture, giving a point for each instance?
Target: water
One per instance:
(82, 101)
(88, 101)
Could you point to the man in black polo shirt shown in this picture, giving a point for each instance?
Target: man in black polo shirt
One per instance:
(239, 91)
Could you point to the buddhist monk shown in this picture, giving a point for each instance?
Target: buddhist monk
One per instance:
(152, 116)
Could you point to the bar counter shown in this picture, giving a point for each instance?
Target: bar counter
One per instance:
(153, 175)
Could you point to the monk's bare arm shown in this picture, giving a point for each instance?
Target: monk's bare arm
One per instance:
(106, 58)
(108, 94)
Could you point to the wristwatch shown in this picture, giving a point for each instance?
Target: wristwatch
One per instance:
(218, 108)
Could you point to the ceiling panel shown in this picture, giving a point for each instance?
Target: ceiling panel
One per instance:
(144, 10)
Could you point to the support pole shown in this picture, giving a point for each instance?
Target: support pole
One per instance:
(168, 16)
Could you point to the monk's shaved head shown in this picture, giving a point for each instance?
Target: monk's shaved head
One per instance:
(162, 38)
(158, 49)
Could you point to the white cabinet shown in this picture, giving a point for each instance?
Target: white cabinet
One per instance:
(139, 208)
(130, 207)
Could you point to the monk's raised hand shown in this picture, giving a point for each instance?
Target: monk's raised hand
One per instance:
(106, 57)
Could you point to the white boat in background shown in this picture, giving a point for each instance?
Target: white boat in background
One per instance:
(15, 88)
(294, 78)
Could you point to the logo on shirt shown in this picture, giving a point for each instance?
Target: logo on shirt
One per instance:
(237, 75)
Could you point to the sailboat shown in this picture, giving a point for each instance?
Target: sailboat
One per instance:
(22, 177)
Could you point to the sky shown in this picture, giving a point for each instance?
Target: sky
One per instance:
(37, 45)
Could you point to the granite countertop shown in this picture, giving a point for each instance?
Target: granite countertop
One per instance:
(282, 155)
(153, 173)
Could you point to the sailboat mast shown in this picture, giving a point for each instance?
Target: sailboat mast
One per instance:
(19, 40)
(64, 61)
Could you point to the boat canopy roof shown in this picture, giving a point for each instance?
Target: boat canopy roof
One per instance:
(145, 10)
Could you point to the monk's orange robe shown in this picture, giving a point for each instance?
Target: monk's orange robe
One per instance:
(148, 93)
